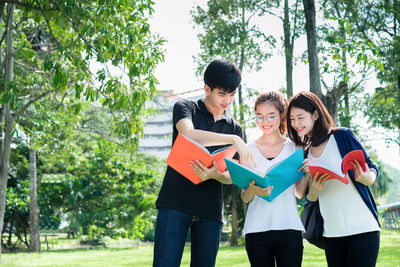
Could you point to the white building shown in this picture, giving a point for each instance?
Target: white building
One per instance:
(158, 128)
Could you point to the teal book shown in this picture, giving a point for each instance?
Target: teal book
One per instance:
(281, 176)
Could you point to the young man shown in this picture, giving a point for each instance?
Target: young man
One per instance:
(183, 204)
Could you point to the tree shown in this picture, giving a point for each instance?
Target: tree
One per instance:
(16, 216)
(378, 22)
(292, 27)
(228, 31)
(313, 62)
(34, 233)
(39, 129)
(84, 178)
(382, 109)
(346, 59)
(6, 119)
(381, 185)
(352, 58)
(290, 33)
(56, 43)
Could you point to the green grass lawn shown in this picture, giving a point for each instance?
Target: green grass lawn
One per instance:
(130, 254)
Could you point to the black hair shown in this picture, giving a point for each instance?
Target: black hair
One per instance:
(222, 74)
(323, 126)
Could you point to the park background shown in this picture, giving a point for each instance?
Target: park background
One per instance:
(79, 87)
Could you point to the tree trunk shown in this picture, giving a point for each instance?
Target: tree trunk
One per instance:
(313, 64)
(241, 112)
(10, 234)
(288, 51)
(234, 217)
(331, 103)
(398, 98)
(345, 90)
(347, 120)
(6, 130)
(34, 242)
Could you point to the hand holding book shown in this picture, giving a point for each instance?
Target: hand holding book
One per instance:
(245, 154)
(185, 151)
(280, 176)
(317, 185)
(349, 162)
(363, 175)
(258, 190)
(205, 173)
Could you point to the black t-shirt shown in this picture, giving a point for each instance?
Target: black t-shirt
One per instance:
(177, 192)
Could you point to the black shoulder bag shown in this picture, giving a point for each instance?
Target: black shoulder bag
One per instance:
(313, 224)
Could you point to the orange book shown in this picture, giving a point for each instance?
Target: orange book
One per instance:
(346, 166)
(186, 150)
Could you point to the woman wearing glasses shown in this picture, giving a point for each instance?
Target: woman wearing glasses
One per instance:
(273, 230)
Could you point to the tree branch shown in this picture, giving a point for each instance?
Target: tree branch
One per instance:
(4, 35)
(2, 5)
(97, 132)
(30, 102)
(74, 26)
(22, 4)
(294, 24)
(30, 68)
(264, 10)
(87, 71)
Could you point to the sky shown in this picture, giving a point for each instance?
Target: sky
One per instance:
(171, 20)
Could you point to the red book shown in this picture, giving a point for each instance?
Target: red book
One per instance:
(332, 174)
(346, 166)
(186, 150)
(351, 156)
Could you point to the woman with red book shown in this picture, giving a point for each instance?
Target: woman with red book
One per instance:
(350, 219)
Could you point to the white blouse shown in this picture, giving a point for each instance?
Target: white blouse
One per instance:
(342, 208)
(279, 214)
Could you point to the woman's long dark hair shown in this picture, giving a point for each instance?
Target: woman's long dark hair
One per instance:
(322, 126)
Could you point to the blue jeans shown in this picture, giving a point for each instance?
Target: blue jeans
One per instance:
(170, 236)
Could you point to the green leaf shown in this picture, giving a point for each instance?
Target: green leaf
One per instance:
(59, 78)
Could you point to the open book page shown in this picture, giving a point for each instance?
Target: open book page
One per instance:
(194, 142)
(346, 166)
(185, 150)
(351, 157)
(285, 174)
(271, 167)
(204, 148)
(281, 176)
(220, 150)
(332, 174)
(242, 175)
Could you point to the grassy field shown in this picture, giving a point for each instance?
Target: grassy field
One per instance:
(129, 253)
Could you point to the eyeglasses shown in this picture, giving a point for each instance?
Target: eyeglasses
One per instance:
(269, 118)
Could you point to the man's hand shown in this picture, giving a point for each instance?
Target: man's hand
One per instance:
(246, 155)
(205, 173)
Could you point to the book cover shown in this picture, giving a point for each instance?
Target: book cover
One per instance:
(351, 156)
(281, 176)
(186, 150)
(346, 166)
(332, 174)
